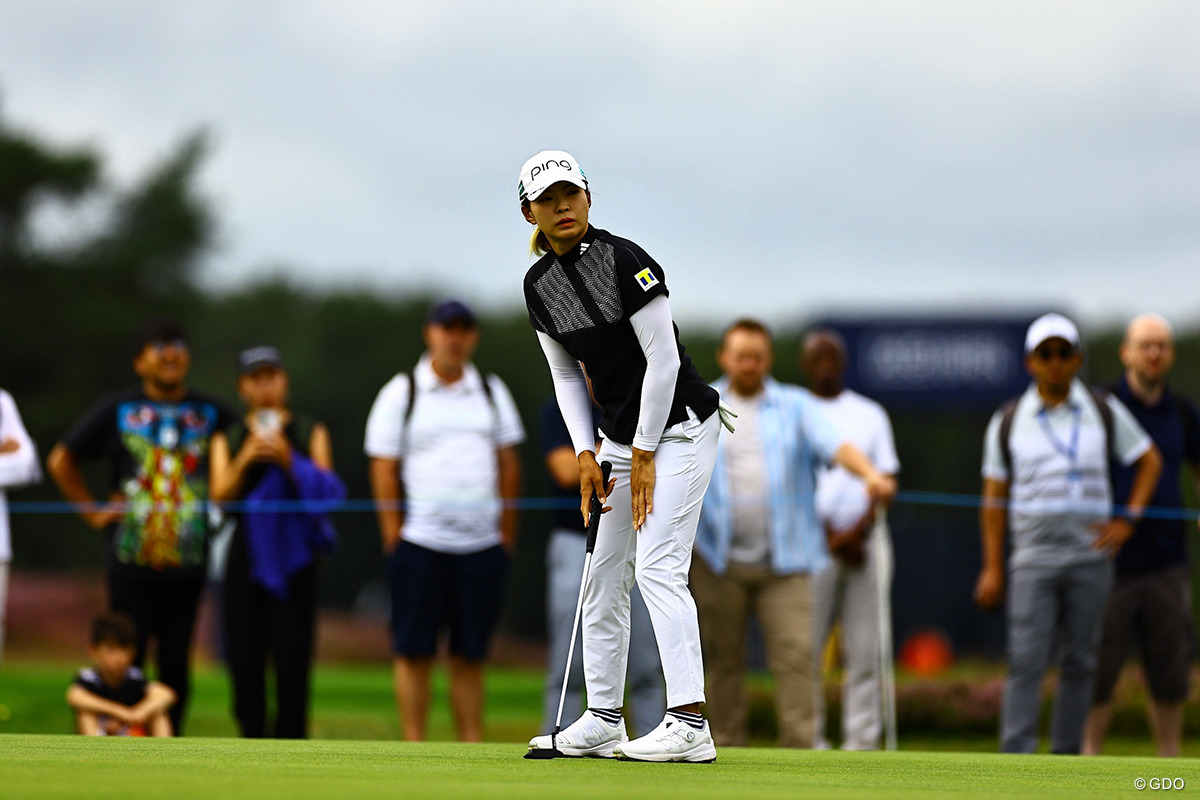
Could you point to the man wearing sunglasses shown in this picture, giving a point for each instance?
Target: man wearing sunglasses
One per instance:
(1046, 476)
(155, 438)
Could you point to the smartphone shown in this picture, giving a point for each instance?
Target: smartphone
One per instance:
(268, 420)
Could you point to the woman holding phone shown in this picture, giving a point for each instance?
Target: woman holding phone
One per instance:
(599, 303)
(275, 457)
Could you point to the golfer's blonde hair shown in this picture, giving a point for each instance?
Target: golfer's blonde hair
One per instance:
(538, 244)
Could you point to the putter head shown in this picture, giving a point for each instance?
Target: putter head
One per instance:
(542, 754)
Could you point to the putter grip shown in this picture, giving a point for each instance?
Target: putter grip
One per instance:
(594, 514)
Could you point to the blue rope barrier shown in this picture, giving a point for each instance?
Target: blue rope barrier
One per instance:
(361, 505)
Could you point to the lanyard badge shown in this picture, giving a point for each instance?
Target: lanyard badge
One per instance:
(1069, 451)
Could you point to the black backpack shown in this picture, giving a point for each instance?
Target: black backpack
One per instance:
(485, 379)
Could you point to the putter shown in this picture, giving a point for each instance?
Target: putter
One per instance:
(592, 529)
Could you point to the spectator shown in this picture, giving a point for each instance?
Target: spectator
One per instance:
(854, 586)
(1150, 603)
(18, 467)
(564, 569)
(1048, 450)
(445, 437)
(759, 538)
(270, 586)
(112, 697)
(155, 438)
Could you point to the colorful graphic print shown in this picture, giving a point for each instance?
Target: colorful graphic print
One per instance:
(164, 525)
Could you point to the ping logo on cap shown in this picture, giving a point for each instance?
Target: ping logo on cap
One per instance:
(545, 169)
(646, 279)
(539, 168)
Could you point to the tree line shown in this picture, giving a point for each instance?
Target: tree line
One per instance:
(72, 301)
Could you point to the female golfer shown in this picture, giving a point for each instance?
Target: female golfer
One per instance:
(599, 303)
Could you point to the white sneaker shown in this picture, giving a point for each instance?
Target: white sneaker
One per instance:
(672, 740)
(587, 736)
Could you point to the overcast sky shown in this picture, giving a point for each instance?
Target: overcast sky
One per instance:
(781, 159)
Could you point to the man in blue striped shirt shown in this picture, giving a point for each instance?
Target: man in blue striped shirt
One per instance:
(759, 539)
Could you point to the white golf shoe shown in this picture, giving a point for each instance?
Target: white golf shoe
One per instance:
(589, 736)
(672, 740)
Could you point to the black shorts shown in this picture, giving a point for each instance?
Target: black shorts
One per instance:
(1151, 612)
(433, 592)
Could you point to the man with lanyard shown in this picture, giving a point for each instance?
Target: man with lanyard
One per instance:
(1045, 474)
(1151, 598)
(155, 438)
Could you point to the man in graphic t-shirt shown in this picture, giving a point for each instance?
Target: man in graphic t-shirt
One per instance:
(155, 439)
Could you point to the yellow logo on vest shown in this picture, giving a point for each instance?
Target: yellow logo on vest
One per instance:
(646, 279)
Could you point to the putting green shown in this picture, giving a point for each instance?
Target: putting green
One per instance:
(43, 766)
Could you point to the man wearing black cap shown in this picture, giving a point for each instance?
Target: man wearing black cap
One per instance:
(444, 437)
(155, 438)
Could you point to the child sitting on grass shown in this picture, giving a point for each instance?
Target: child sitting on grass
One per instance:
(113, 697)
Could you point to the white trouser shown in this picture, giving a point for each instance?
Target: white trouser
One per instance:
(851, 594)
(662, 552)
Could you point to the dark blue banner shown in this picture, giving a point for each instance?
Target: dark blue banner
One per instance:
(969, 363)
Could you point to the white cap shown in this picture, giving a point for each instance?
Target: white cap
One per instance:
(546, 169)
(1051, 326)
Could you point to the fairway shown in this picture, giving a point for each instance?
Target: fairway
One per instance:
(229, 769)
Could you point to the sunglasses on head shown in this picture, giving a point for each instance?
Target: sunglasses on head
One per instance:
(1048, 351)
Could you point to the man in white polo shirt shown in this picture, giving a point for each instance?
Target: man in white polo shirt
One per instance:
(1045, 473)
(450, 451)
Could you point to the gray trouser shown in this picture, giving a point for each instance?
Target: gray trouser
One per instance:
(1052, 610)
(647, 696)
(851, 594)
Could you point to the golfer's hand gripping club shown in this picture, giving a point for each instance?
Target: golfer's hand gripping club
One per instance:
(594, 484)
(597, 506)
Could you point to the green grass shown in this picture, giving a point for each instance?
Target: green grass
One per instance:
(348, 702)
(354, 754)
(47, 767)
(355, 702)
